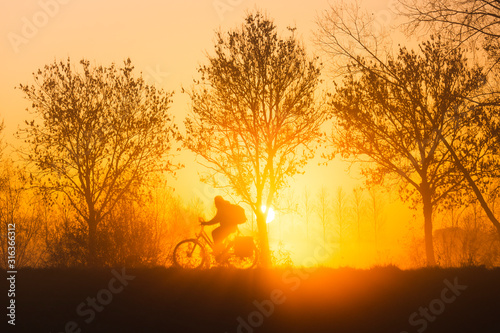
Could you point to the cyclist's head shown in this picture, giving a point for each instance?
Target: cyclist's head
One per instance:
(218, 201)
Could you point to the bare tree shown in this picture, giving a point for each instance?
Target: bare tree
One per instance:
(308, 209)
(358, 207)
(2, 145)
(422, 99)
(376, 209)
(475, 22)
(462, 20)
(99, 135)
(288, 207)
(347, 32)
(382, 119)
(19, 218)
(254, 117)
(341, 214)
(324, 209)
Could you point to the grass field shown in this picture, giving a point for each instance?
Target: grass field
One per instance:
(220, 300)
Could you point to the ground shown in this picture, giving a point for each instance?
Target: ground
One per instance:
(286, 300)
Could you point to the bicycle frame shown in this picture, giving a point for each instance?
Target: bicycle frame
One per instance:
(203, 235)
(204, 246)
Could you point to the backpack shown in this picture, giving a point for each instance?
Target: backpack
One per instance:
(237, 214)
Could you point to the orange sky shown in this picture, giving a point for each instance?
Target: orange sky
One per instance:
(166, 40)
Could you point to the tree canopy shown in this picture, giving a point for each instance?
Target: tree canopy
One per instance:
(395, 113)
(98, 135)
(254, 117)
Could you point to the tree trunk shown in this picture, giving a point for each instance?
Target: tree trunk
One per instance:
(324, 232)
(92, 242)
(429, 246)
(265, 255)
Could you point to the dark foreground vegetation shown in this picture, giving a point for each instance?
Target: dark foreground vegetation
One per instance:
(294, 300)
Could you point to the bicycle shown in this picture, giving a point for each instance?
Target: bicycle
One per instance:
(239, 252)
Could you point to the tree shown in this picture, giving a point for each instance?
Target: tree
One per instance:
(2, 146)
(20, 211)
(376, 208)
(19, 215)
(253, 117)
(358, 207)
(288, 206)
(341, 213)
(347, 33)
(476, 22)
(99, 135)
(323, 209)
(396, 113)
(462, 20)
(308, 209)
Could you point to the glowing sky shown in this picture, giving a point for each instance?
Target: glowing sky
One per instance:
(166, 40)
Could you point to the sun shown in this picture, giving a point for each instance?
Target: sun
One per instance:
(270, 214)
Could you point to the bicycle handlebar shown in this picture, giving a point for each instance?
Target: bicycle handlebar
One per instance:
(201, 220)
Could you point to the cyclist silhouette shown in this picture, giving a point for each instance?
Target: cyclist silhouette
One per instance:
(229, 216)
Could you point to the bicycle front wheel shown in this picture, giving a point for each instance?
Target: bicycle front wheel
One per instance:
(189, 253)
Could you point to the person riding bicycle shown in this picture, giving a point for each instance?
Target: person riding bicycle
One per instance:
(229, 216)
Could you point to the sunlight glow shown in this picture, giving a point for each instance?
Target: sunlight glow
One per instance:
(270, 214)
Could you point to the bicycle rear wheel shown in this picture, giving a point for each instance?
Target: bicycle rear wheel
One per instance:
(242, 262)
(189, 253)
